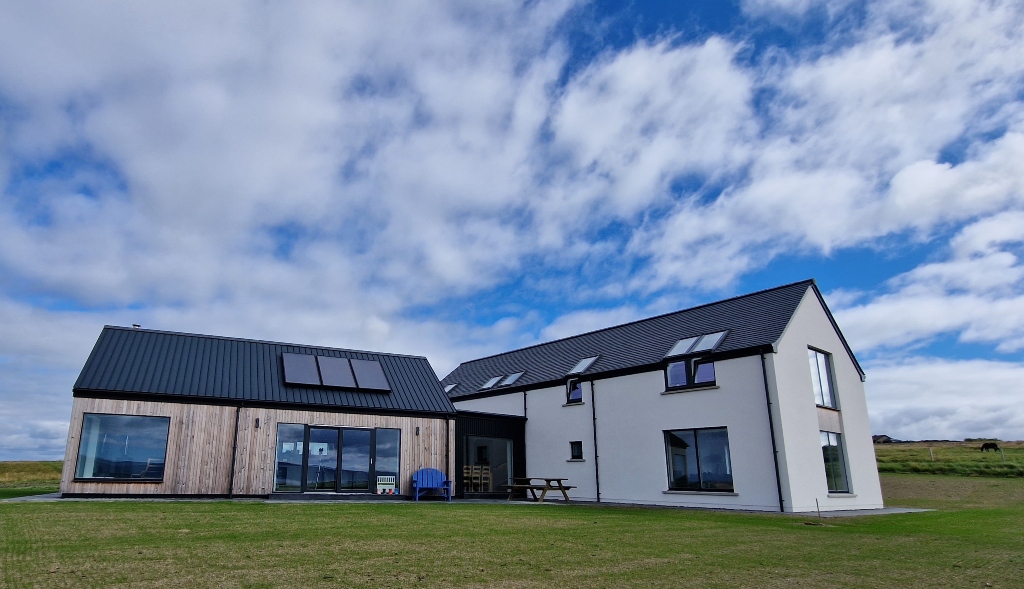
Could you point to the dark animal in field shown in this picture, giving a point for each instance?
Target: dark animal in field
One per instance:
(990, 446)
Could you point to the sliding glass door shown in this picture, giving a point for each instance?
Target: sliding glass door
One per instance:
(355, 460)
(322, 465)
(336, 459)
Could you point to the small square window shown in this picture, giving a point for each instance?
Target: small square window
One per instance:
(573, 391)
(576, 450)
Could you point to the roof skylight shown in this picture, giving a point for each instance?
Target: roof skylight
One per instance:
(699, 343)
(708, 342)
(510, 379)
(682, 346)
(490, 383)
(582, 365)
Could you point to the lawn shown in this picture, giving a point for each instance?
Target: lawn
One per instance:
(951, 458)
(975, 538)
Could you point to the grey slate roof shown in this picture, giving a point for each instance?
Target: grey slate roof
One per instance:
(754, 321)
(186, 367)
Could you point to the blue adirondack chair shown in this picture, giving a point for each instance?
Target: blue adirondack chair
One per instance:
(425, 480)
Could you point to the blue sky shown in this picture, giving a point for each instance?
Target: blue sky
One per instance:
(459, 178)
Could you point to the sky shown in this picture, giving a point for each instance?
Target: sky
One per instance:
(460, 178)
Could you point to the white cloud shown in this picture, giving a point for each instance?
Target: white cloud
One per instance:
(316, 172)
(976, 293)
(937, 398)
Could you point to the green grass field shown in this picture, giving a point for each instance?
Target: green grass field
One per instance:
(18, 479)
(975, 538)
(951, 458)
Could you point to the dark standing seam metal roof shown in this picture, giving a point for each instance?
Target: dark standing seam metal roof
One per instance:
(753, 321)
(183, 366)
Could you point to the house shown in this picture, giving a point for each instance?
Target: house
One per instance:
(754, 403)
(162, 413)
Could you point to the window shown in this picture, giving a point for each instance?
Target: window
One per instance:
(511, 379)
(835, 467)
(490, 383)
(698, 460)
(821, 378)
(576, 450)
(689, 372)
(337, 459)
(582, 365)
(488, 465)
(122, 447)
(290, 446)
(573, 391)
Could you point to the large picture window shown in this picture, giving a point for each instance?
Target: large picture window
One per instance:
(821, 378)
(698, 460)
(122, 447)
(835, 464)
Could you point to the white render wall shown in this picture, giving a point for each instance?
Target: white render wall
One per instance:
(632, 415)
(550, 426)
(797, 423)
(510, 404)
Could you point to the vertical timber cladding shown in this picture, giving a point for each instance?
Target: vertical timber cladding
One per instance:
(255, 462)
(199, 441)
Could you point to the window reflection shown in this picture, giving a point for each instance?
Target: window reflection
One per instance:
(122, 447)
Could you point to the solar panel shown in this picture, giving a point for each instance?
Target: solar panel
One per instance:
(300, 369)
(336, 372)
(448, 388)
(582, 365)
(511, 379)
(682, 346)
(708, 342)
(490, 383)
(370, 375)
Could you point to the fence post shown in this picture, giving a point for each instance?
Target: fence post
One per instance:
(931, 455)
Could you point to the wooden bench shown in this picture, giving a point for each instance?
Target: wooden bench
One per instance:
(550, 484)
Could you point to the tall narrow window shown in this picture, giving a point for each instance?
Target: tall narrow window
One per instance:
(290, 446)
(821, 378)
(122, 447)
(698, 460)
(835, 464)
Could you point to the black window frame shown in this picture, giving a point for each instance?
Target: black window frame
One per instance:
(340, 429)
(568, 391)
(843, 467)
(696, 450)
(692, 362)
(81, 440)
(576, 450)
(831, 377)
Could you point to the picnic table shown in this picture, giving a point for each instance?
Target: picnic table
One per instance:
(550, 484)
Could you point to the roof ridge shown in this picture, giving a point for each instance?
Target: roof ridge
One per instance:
(258, 341)
(808, 281)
